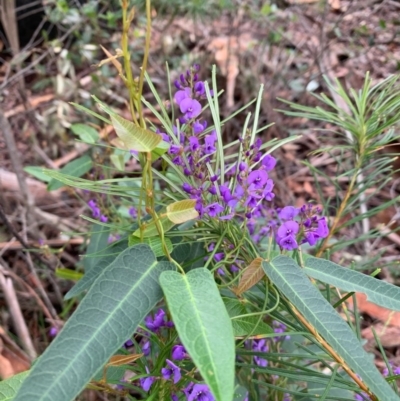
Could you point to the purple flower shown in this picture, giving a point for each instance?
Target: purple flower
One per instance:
(181, 95)
(146, 382)
(156, 323)
(178, 352)
(128, 343)
(288, 213)
(234, 269)
(164, 136)
(193, 143)
(187, 188)
(395, 370)
(288, 228)
(174, 149)
(279, 328)
(92, 203)
(199, 88)
(219, 256)
(174, 397)
(53, 331)
(221, 271)
(361, 397)
(260, 346)
(257, 179)
(209, 143)
(177, 160)
(199, 127)
(103, 218)
(322, 229)
(213, 209)
(243, 166)
(146, 348)
(268, 162)
(200, 392)
(191, 108)
(132, 212)
(212, 190)
(289, 243)
(171, 370)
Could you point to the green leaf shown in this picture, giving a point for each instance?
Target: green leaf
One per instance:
(204, 327)
(38, 173)
(151, 227)
(111, 311)
(68, 274)
(182, 211)
(85, 132)
(377, 291)
(98, 242)
(292, 281)
(161, 148)
(76, 168)
(244, 325)
(133, 136)
(90, 112)
(154, 243)
(92, 271)
(9, 387)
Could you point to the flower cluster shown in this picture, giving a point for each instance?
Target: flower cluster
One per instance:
(279, 328)
(171, 372)
(245, 189)
(305, 224)
(96, 212)
(155, 323)
(260, 346)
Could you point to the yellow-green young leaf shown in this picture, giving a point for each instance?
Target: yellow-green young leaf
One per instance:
(151, 227)
(161, 148)
(134, 137)
(154, 243)
(182, 211)
(118, 161)
(68, 274)
(252, 274)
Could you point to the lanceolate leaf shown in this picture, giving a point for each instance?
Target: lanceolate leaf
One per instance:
(295, 285)
(133, 136)
(245, 325)
(182, 211)
(377, 291)
(109, 255)
(98, 242)
(85, 132)
(111, 311)
(203, 326)
(9, 387)
(252, 274)
(76, 168)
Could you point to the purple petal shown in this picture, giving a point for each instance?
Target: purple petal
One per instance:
(288, 213)
(268, 162)
(190, 107)
(181, 95)
(288, 228)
